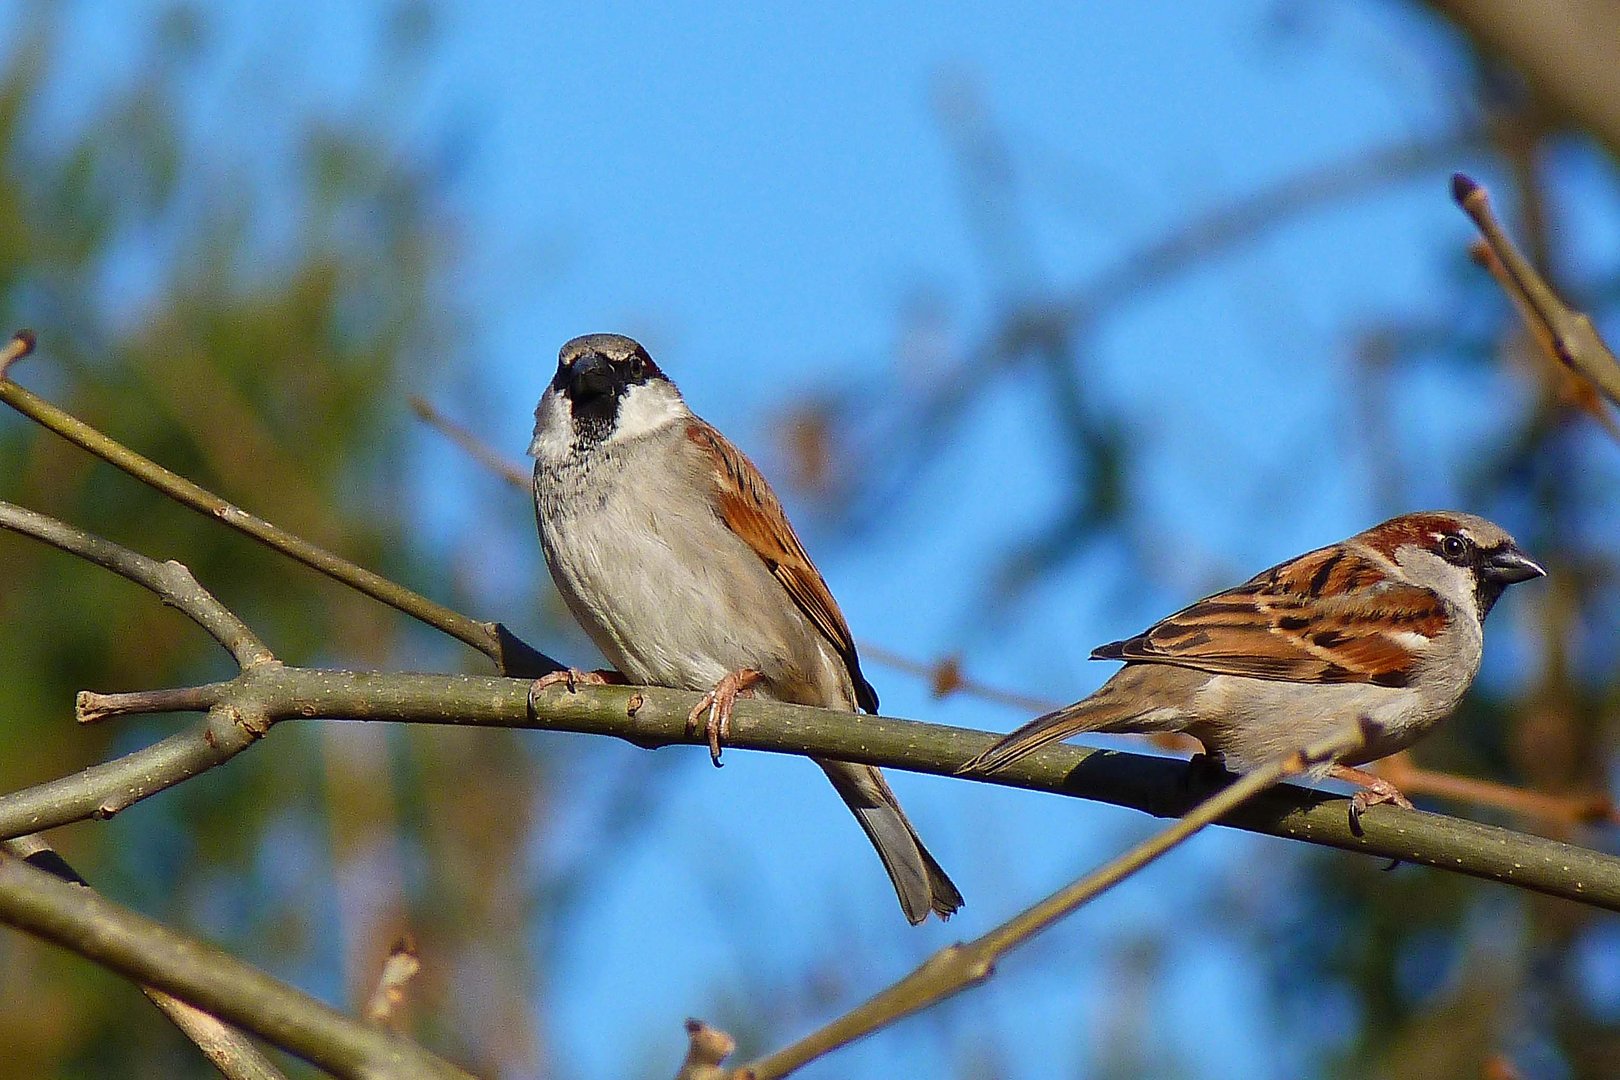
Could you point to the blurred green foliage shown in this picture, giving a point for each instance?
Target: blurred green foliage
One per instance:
(262, 346)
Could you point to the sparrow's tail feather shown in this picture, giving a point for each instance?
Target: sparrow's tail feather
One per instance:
(918, 880)
(1102, 711)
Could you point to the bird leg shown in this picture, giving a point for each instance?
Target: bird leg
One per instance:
(573, 678)
(718, 704)
(1373, 790)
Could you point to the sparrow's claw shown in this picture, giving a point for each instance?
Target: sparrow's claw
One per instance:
(1372, 790)
(573, 678)
(718, 703)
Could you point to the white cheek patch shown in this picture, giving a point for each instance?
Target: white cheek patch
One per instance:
(553, 427)
(646, 408)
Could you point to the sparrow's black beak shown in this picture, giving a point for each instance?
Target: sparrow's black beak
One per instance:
(1509, 566)
(590, 378)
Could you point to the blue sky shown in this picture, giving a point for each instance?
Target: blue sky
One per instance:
(757, 195)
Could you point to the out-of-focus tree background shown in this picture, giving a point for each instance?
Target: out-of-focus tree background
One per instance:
(1045, 320)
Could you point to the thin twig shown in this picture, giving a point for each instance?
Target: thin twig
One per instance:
(477, 449)
(945, 678)
(1575, 387)
(959, 967)
(510, 655)
(1570, 335)
(90, 707)
(1399, 770)
(399, 969)
(231, 1052)
(206, 977)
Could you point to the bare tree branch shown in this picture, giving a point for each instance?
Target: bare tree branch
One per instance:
(231, 1052)
(100, 791)
(151, 954)
(171, 581)
(652, 717)
(1565, 810)
(959, 967)
(475, 448)
(1567, 335)
(492, 639)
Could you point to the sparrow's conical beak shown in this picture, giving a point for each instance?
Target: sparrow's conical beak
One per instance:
(590, 377)
(1510, 566)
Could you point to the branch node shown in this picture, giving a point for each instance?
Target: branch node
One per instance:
(88, 706)
(707, 1048)
(21, 344)
(255, 723)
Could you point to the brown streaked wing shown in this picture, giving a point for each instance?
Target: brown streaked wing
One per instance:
(749, 508)
(1325, 617)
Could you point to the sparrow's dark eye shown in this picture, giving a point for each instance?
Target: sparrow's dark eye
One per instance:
(1454, 548)
(638, 367)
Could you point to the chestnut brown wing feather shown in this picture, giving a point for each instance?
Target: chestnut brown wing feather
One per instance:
(1325, 617)
(749, 508)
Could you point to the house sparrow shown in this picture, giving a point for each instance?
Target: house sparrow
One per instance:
(1385, 628)
(675, 556)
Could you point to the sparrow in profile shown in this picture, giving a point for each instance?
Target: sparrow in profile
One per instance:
(1385, 629)
(677, 559)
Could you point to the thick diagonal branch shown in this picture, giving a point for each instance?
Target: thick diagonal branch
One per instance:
(231, 1052)
(212, 980)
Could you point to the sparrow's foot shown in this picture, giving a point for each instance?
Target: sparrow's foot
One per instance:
(718, 704)
(1373, 790)
(573, 678)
